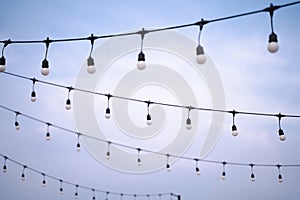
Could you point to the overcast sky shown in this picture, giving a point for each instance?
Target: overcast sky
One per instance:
(253, 79)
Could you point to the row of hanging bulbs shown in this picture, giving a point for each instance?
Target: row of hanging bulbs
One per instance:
(141, 64)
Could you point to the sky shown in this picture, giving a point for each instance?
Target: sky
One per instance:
(253, 80)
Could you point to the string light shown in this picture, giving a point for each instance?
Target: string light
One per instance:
(223, 176)
(280, 179)
(273, 41)
(68, 101)
(45, 62)
(148, 117)
(139, 161)
(151, 151)
(141, 64)
(252, 176)
(61, 189)
(33, 93)
(48, 137)
(76, 192)
(4, 168)
(107, 111)
(168, 166)
(280, 131)
(108, 150)
(90, 61)
(94, 197)
(17, 125)
(2, 59)
(188, 124)
(197, 167)
(234, 128)
(78, 142)
(201, 58)
(23, 173)
(44, 180)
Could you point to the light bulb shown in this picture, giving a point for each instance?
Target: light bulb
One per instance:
(168, 167)
(223, 175)
(252, 177)
(139, 161)
(234, 130)
(61, 191)
(280, 180)
(44, 183)
(33, 96)
(273, 43)
(197, 171)
(76, 195)
(201, 58)
(141, 64)
(107, 155)
(48, 137)
(91, 69)
(45, 67)
(4, 168)
(107, 113)
(281, 135)
(23, 177)
(188, 124)
(17, 125)
(68, 104)
(149, 121)
(2, 64)
(78, 148)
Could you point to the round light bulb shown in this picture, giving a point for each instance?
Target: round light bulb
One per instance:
(168, 167)
(33, 96)
(48, 136)
(17, 125)
(149, 121)
(139, 161)
(201, 59)
(188, 124)
(273, 47)
(198, 171)
(2, 64)
(45, 71)
(107, 113)
(252, 177)
(78, 147)
(141, 65)
(107, 155)
(68, 104)
(91, 69)
(44, 183)
(23, 177)
(234, 130)
(4, 168)
(2, 68)
(282, 137)
(280, 180)
(223, 177)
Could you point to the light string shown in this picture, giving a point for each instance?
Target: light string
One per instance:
(188, 125)
(272, 46)
(63, 182)
(166, 155)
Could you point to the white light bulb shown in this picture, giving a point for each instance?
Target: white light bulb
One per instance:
(188, 124)
(107, 155)
(107, 113)
(2, 68)
(91, 69)
(273, 47)
(235, 133)
(141, 65)
(33, 96)
(201, 59)
(68, 104)
(282, 137)
(17, 125)
(45, 71)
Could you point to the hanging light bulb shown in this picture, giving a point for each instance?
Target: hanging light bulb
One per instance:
(141, 64)
(61, 190)
(201, 58)
(188, 124)
(107, 111)
(223, 176)
(197, 167)
(234, 128)
(280, 179)
(108, 150)
(273, 41)
(148, 117)
(68, 101)
(44, 180)
(91, 69)
(4, 168)
(2, 58)
(17, 125)
(23, 173)
(139, 161)
(252, 176)
(280, 131)
(78, 148)
(168, 166)
(76, 192)
(33, 93)
(48, 137)
(94, 197)
(45, 63)
(106, 195)
(121, 195)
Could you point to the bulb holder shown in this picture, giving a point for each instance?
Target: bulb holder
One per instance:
(201, 58)
(2, 64)
(281, 135)
(273, 43)
(234, 130)
(107, 113)
(68, 104)
(45, 67)
(141, 64)
(33, 96)
(149, 120)
(188, 124)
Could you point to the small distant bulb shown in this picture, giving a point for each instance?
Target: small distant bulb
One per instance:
(201, 58)
(44, 183)
(107, 155)
(4, 168)
(61, 191)
(234, 130)
(23, 177)
(141, 64)
(2, 64)
(78, 148)
(139, 162)
(68, 104)
(91, 69)
(273, 43)
(198, 171)
(188, 124)
(252, 177)
(281, 135)
(168, 167)
(280, 180)
(48, 137)
(45, 67)
(107, 113)
(33, 96)
(17, 125)
(149, 120)
(223, 177)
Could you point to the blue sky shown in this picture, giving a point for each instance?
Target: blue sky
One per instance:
(253, 79)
